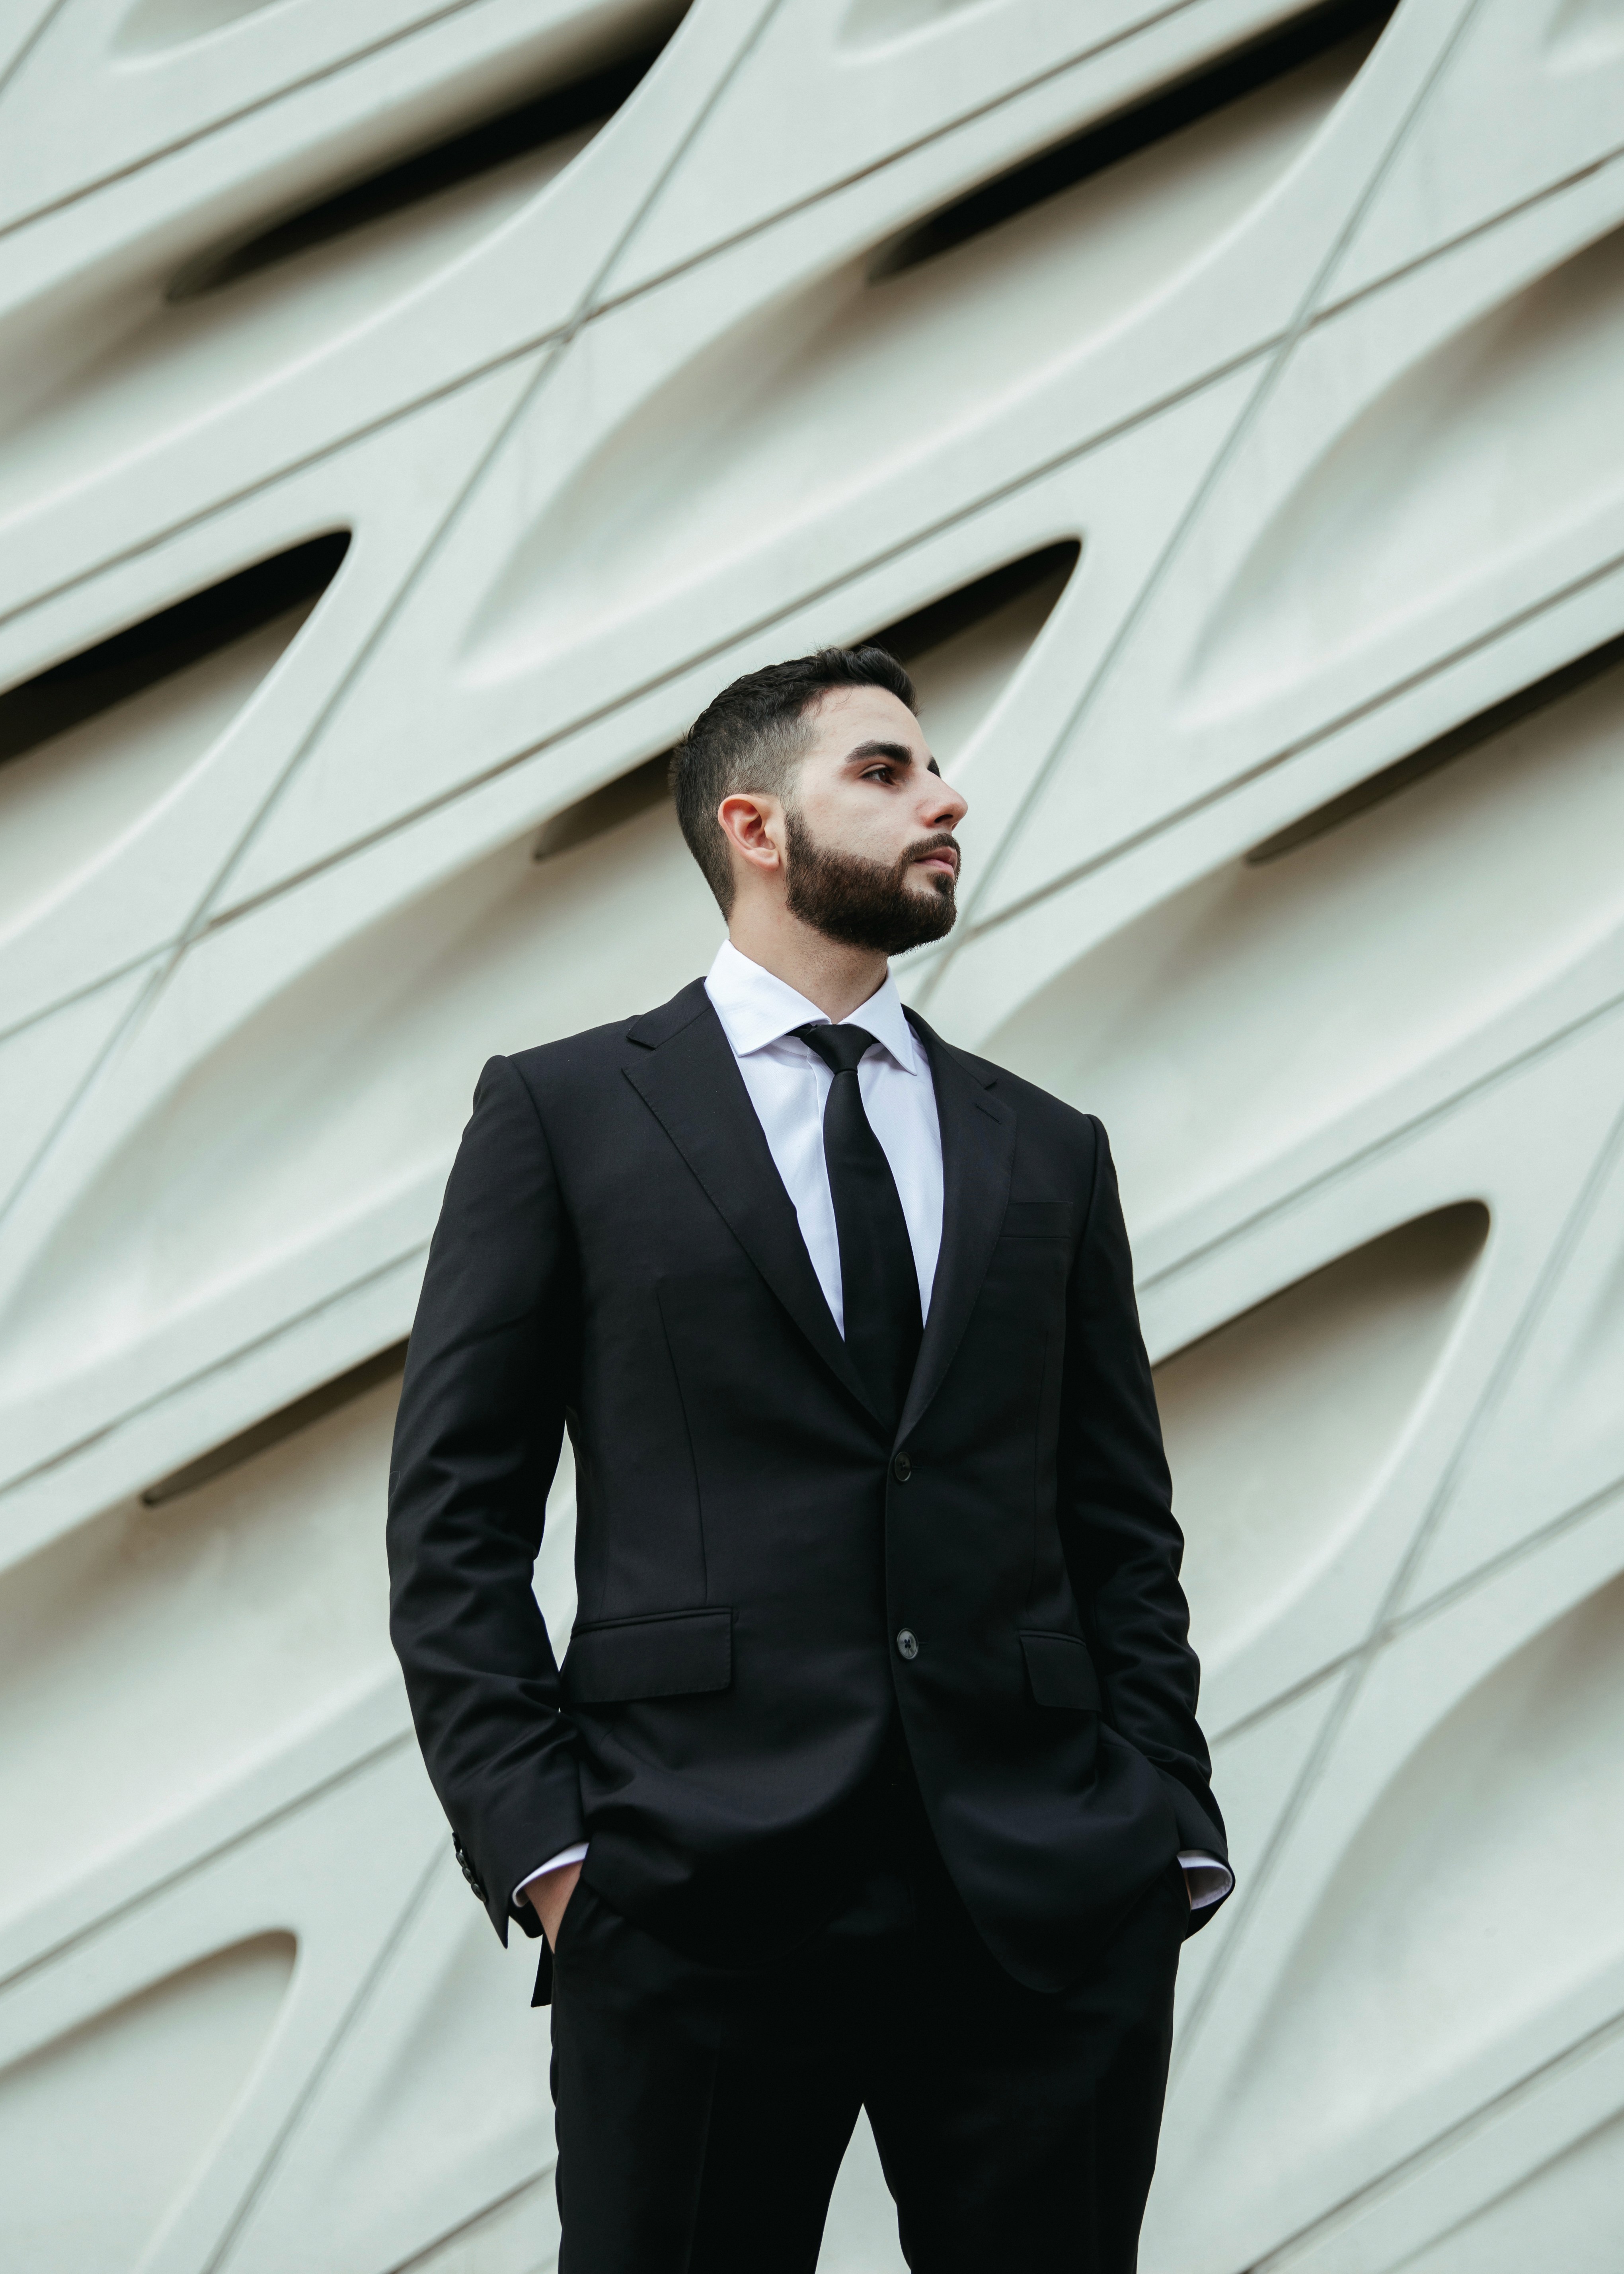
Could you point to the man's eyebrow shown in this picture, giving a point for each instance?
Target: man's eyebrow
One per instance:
(898, 752)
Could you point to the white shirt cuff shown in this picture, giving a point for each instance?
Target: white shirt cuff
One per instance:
(576, 1855)
(1209, 1881)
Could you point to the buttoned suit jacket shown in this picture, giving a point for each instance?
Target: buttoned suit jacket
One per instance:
(617, 1255)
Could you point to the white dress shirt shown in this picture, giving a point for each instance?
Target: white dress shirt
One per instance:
(788, 1085)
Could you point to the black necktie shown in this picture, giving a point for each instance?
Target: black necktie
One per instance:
(878, 1282)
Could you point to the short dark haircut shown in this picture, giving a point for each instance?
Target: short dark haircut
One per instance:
(752, 736)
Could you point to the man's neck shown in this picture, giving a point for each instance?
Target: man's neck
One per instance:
(839, 979)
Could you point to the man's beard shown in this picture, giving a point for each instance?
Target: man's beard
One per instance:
(868, 903)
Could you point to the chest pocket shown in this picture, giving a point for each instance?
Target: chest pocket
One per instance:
(1025, 1287)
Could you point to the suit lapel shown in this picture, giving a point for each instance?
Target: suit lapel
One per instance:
(978, 1158)
(691, 1083)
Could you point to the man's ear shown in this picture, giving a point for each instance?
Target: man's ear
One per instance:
(752, 821)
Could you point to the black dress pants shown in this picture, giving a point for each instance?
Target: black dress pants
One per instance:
(702, 2112)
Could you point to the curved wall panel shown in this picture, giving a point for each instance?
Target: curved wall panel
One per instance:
(1458, 464)
(158, 336)
(96, 2148)
(1278, 1424)
(1222, 1026)
(1585, 32)
(1472, 1900)
(807, 399)
(1216, 404)
(201, 1612)
(1576, 2193)
(96, 743)
(146, 74)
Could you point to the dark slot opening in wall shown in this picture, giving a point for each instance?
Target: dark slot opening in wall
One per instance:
(584, 103)
(1240, 72)
(286, 1422)
(930, 626)
(1468, 736)
(912, 636)
(137, 658)
(602, 809)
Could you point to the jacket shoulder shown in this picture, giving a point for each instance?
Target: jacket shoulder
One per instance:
(1040, 1107)
(599, 1051)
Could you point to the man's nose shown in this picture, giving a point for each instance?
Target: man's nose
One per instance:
(948, 809)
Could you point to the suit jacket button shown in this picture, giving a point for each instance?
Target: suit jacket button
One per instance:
(907, 1642)
(901, 1468)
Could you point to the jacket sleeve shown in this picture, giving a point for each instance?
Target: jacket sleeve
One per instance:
(475, 1445)
(1122, 1543)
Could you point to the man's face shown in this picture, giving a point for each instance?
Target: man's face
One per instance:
(871, 858)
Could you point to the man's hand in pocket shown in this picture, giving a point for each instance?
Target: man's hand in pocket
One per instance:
(549, 1898)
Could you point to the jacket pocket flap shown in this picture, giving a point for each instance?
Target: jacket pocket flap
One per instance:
(671, 1654)
(1061, 1672)
(1037, 1220)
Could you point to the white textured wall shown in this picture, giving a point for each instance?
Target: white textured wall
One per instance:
(1328, 386)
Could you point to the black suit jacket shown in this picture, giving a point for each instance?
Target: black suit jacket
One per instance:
(618, 1256)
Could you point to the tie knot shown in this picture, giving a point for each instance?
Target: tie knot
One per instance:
(839, 1047)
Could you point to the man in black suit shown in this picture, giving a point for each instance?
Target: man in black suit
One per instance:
(871, 1776)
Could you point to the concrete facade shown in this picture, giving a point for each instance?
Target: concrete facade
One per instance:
(409, 415)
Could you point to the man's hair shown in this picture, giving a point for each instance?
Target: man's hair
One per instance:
(755, 735)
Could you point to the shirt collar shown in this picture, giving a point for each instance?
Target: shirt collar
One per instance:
(757, 1008)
